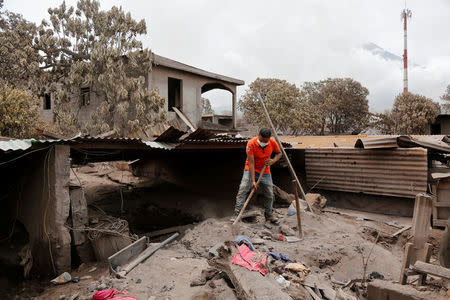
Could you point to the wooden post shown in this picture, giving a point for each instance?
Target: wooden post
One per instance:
(405, 262)
(291, 169)
(426, 258)
(419, 249)
(421, 218)
(297, 204)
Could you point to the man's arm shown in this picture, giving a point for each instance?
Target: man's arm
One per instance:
(278, 155)
(251, 166)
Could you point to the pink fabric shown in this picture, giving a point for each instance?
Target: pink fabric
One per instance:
(113, 294)
(252, 260)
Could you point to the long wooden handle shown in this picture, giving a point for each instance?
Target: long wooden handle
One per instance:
(249, 197)
(291, 169)
(297, 205)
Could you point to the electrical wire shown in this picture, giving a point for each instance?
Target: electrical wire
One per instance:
(16, 217)
(97, 153)
(44, 221)
(16, 158)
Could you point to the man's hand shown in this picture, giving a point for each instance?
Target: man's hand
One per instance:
(254, 185)
(269, 162)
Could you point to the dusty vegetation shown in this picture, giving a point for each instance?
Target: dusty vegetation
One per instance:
(335, 105)
(410, 114)
(83, 47)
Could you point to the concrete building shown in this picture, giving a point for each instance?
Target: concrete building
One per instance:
(441, 125)
(220, 120)
(180, 84)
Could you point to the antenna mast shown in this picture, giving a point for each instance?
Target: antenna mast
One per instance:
(406, 13)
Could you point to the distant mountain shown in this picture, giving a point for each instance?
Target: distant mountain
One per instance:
(389, 56)
(377, 50)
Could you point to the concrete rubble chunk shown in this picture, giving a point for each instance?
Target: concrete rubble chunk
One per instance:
(258, 241)
(384, 290)
(213, 252)
(286, 230)
(292, 239)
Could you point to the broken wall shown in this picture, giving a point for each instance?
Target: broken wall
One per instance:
(38, 191)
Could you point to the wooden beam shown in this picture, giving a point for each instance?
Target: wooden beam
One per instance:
(430, 269)
(107, 134)
(169, 230)
(184, 118)
(441, 204)
(405, 262)
(79, 214)
(400, 231)
(426, 258)
(314, 295)
(421, 222)
(123, 256)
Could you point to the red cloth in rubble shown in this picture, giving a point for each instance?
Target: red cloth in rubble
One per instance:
(113, 294)
(252, 260)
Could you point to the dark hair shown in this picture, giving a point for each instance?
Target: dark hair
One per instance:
(265, 132)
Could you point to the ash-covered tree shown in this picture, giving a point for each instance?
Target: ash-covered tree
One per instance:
(18, 111)
(206, 106)
(383, 122)
(446, 98)
(341, 104)
(85, 47)
(289, 113)
(413, 114)
(19, 58)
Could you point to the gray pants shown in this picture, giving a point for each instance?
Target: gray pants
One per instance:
(265, 186)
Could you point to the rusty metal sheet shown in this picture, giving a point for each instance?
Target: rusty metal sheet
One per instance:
(200, 134)
(377, 143)
(172, 134)
(429, 143)
(396, 172)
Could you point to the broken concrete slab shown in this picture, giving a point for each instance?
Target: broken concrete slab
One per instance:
(385, 290)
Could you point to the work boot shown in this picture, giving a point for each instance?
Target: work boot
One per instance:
(271, 218)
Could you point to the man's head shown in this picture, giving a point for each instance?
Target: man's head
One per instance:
(264, 135)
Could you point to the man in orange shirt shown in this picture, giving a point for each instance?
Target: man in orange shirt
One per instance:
(259, 150)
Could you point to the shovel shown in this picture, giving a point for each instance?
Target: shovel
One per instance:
(249, 196)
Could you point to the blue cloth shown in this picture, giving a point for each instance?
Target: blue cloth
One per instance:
(265, 186)
(280, 256)
(243, 239)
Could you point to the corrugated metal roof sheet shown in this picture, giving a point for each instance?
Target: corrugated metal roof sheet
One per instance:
(14, 145)
(429, 143)
(327, 141)
(200, 134)
(377, 143)
(432, 142)
(397, 172)
(172, 134)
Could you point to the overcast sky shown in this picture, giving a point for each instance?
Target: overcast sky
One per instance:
(297, 41)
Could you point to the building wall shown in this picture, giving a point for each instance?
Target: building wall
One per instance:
(445, 126)
(45, 114)
(38, 195)
(191, 90)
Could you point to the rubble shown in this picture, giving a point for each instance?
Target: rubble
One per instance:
(325, 263)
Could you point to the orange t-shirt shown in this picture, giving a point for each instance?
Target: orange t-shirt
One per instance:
(260, 154)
